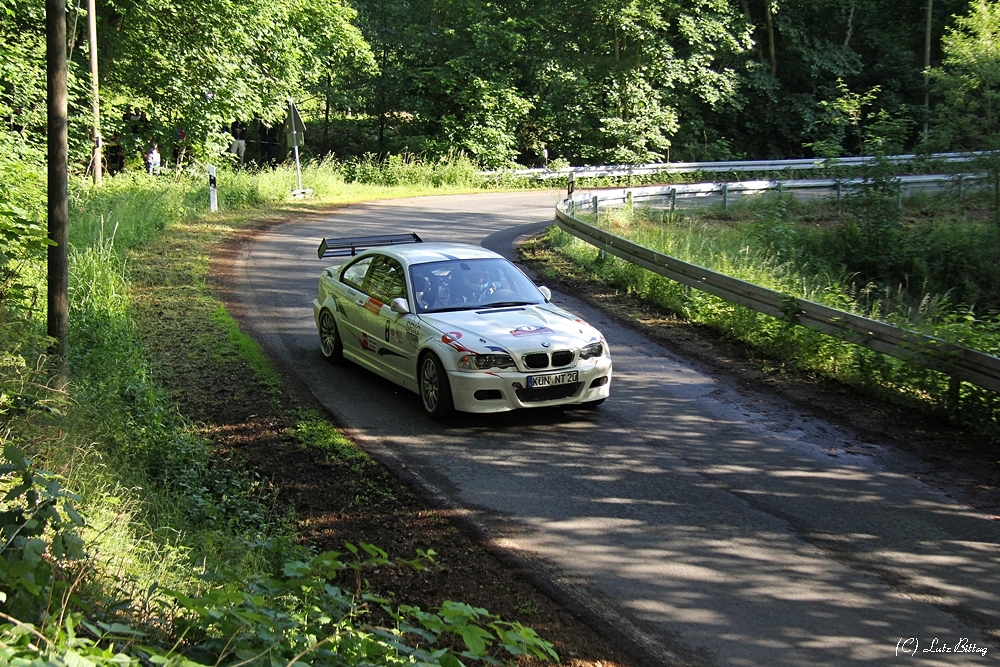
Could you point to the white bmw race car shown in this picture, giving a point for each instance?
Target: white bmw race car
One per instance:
(458, 324)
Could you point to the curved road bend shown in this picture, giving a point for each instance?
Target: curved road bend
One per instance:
(703, 526)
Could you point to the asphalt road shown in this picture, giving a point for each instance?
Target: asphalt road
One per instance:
(699, 523)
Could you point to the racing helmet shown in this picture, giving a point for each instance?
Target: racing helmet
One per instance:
(475, 277)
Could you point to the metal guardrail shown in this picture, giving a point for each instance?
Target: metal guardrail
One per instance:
(959, 362)
(837, 185)
(735, 166)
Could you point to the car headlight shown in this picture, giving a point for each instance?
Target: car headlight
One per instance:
(482, 362)
(592, 350)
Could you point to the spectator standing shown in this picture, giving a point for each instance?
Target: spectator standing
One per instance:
(180, 134)
(239, 146)
(153, 159)
(267, 141)
(115, 154)
(136, 121)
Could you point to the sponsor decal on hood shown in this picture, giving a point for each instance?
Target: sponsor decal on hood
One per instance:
(530, 330)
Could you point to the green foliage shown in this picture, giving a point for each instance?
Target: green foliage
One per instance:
(969, 80)
(297, 616)
(301, 616)
(23, 239)
(22, 56)
(455, 170)
(631, 81)
(39, 529)
(849, 124)
(873, 228)
(503, 81)
(20, 240)
(193, 65)
(62, 645)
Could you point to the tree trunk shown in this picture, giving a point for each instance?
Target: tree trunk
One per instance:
(58, 174)
(927, 67)
(95, 91)
(326, 116)
(770, 38)
(756, 43)
(850, 26)
(996, 197)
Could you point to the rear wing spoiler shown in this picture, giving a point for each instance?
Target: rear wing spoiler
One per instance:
(352, 246)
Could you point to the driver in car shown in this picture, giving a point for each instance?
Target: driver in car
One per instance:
(473, 284)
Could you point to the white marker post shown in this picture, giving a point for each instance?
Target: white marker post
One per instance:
(213, 196)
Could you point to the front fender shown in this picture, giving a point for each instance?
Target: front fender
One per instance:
(446, 353)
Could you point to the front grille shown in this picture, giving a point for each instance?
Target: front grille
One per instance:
(536, 394)
(562, 358)
(536, 360)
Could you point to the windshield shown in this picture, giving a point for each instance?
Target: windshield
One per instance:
(471, 284)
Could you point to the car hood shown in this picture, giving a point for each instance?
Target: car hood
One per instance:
(515, 329)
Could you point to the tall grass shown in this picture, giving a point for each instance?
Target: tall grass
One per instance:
(762, 244)
(155, 497)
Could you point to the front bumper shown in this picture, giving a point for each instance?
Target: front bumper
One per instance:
(500, 390)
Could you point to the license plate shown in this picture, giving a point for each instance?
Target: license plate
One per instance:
(552, 380)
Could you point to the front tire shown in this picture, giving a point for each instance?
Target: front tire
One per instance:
(330, 343)
(435, 390)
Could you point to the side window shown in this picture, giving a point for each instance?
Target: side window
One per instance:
(354, 274)
(386, 281)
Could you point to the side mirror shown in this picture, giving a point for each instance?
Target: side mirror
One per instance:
(546, 292)
(399, 305)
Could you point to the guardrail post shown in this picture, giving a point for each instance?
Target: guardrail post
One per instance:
(595, 206)
(960, 187)
(780, 191)
(840, 196)
(899, 194)
(570, 186)
(628, 199)
(673, 198)
(725, 196)
(954, 394)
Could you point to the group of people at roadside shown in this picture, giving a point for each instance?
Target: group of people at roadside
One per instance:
(138, 138)
(135, 138)
(268, 140)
